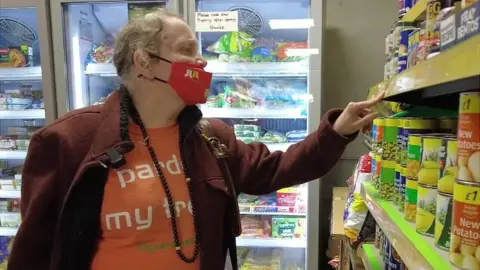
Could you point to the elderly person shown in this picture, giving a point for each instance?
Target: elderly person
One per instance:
(133, 184)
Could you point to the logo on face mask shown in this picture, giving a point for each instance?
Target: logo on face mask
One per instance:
(192, 74)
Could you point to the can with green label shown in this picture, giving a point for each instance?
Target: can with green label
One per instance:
(414, 125)
(379, 133)
(414, 155)
(426, 209)
(443, 220)
(387, 179)
(411, 194)
(389, 144)
(398, 156)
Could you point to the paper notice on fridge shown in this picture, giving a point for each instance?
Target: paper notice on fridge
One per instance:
(225, 21)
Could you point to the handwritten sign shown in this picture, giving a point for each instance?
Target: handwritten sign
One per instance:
(226, 21)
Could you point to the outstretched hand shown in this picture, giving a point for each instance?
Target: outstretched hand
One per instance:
(356, 116)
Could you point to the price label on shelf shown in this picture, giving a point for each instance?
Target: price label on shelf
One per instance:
(225, 21)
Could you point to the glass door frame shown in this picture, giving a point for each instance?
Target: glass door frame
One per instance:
(46, 53)
(59, 45)
(315, 87)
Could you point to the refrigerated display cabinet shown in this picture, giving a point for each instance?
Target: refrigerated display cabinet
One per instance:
(266, 84)
(26, 98)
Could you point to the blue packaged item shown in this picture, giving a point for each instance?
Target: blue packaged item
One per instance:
(394, 261)
(5, 248)
(403, 48)
(404, 7)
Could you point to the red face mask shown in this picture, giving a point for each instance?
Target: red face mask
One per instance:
(190, 81)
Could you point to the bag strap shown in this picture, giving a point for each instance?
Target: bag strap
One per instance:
(221, 153)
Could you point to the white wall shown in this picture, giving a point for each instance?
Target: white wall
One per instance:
(354, 61)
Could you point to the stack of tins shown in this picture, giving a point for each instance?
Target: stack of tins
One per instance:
(413, 128)
(465, 236)
(389, 151)
(378, 134)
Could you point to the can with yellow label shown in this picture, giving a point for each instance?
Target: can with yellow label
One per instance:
(426, 209)
(414, 155)
(443, 220)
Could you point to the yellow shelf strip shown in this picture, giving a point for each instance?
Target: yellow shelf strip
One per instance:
(417, 10)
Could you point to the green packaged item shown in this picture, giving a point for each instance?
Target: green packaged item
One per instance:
(288, 228)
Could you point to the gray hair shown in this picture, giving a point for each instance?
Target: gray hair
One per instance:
(143, 34)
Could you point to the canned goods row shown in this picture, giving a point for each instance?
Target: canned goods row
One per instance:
(409, 43)
(391, 259)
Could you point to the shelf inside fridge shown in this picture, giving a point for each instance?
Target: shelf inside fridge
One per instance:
(218, 68)
(7, 231)
(23, 114)
(271, 242)
(12, 154)
(249, 69)
(10, 194)
(243, 113)
(21, 74)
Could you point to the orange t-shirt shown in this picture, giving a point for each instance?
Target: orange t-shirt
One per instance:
(135, 218)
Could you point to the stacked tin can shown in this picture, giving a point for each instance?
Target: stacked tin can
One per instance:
(411, 155)
(465, 231)
(389, 160)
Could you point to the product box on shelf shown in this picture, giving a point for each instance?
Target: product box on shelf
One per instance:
(448, 28)
(468, 22)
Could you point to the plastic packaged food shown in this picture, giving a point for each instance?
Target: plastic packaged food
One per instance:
(21, 56)
(100, 54)
(288, 228)
(358, 222)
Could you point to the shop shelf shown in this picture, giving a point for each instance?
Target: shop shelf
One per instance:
(24, 114)
(371, 257)
(274, 69)
(12, 154)
(247, 69)
(10, 194)
(271, 242)
(416, 12)
(21, 74)
(263, 210)
(101, 69)
(416, 251)
(295, 113)
(278, 146)
(6, 231)
(437, 82)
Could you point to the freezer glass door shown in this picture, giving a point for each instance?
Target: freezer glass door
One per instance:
(258, 53)
(89, 35)
(22, 108)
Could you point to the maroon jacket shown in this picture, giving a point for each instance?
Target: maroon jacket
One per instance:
(64, 179)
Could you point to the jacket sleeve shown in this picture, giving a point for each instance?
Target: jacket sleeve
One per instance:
(255, 170)
(39, 206)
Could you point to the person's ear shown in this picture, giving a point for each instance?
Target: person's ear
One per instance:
(142, 64)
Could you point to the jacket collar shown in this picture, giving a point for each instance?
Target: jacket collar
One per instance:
(109, 134)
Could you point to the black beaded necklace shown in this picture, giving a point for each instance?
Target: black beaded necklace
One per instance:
(171, 204)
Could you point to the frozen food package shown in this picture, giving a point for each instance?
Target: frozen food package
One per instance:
(100, 54)
(358, 222)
